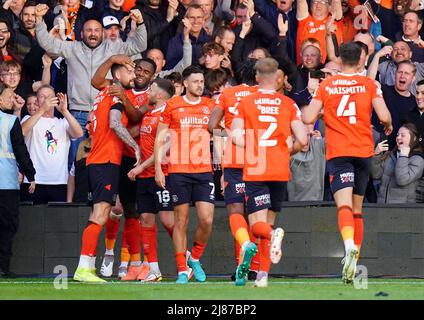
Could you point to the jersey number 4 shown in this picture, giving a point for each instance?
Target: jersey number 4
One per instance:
(347, 109)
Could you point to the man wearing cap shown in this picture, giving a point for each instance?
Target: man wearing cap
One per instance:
(111, 28)
(84, 57)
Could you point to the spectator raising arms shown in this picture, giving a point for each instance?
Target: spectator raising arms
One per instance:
(84, 57)
(48, 139)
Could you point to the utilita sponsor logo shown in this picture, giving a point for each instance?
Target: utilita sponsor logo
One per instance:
(194, 121)
(241, 94)
(268, 101)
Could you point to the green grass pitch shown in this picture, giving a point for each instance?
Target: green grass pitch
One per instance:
(213, 289)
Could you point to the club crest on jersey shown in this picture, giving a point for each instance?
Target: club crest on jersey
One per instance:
(347, 177)
(181, 109)
(206, 110)
(154, 120)
(262, 200)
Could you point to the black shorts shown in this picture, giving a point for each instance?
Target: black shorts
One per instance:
(234, 186)
(103, 182)
(191, 187)
(348, 172)
(127, 188)
(151, 198)
(264, 195)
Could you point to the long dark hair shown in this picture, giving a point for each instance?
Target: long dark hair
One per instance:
(414, 144)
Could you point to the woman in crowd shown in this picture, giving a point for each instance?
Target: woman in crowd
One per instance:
(399, 169)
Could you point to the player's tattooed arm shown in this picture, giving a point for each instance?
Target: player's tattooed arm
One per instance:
(115, 123)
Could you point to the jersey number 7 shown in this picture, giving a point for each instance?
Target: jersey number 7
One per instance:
(346, 109)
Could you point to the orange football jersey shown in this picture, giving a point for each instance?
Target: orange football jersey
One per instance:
(105, 144)
(148, 131)
(190, 139)
(347, 101)
(137, 98)
(267, 119)
(228, 101)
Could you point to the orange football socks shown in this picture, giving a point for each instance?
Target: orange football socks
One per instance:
(180, 258)
(346, 223)
(359, 230)
(197, 250)
(262, 230)
(90, 237)
(112, 228)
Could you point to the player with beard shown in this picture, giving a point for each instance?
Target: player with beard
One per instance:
(151, 199)
(108, 136)
(134, 99)
(190, 170)
(348, 100)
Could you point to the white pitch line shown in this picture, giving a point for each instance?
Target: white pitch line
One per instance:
(70, 282)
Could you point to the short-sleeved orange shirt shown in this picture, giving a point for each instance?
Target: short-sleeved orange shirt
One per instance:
(190, 139)
(228, 102)
(313, 28)
(105, 144)
(137, 99)
(148, 129)
(267, 119)
(347, 101)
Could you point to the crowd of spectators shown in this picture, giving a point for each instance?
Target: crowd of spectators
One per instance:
(50, 51)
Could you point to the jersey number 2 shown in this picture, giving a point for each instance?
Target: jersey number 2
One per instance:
(346, 109)
(264, 139)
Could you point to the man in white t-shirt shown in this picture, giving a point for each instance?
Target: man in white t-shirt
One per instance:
(48, 139)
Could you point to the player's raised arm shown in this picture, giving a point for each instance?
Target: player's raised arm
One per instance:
(301, 139)
(115, 123)
(237, 128)
(99, 80)
(383, 114)
(216, 117)
(311, 112)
